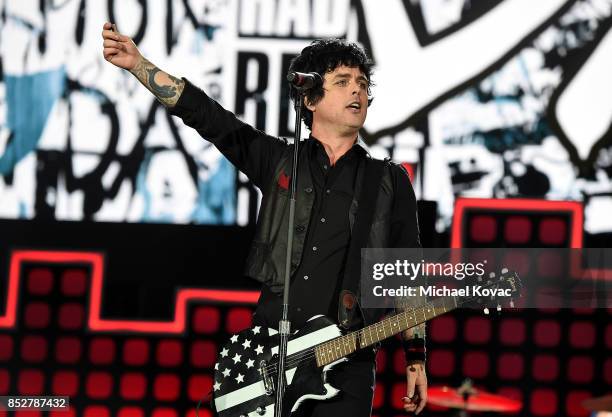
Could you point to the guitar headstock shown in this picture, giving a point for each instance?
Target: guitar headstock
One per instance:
(496, 290)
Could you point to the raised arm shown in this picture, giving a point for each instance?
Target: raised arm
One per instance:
(121, 51)
(250, 150)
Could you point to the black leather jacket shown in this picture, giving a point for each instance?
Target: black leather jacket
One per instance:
(264, 159)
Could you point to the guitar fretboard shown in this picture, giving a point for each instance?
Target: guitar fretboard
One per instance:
(342, 346)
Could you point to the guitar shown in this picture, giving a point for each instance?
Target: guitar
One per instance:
(245, 373)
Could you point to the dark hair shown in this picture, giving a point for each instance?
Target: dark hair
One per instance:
(325, 55)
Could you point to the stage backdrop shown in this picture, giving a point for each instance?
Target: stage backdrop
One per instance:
(480, 98)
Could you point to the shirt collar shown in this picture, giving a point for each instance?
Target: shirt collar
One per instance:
(359, 144)
(363, 145)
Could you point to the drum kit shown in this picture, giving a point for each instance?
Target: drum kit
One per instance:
(467, 398)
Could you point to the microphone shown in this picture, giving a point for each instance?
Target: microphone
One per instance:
(304, 81)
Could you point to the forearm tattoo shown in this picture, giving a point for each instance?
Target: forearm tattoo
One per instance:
(167, 93)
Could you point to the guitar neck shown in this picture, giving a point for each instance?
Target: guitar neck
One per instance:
(342, 346)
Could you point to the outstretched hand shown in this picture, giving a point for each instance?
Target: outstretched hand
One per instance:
(416, 388)
(119, 50)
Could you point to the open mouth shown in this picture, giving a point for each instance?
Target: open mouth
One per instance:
(355, 105)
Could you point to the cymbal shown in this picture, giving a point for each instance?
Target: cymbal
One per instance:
(598, 404)
(477, 400)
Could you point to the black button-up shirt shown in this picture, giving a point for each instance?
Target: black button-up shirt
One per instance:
(315, 283)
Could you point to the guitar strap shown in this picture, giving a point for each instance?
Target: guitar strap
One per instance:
(367, 198)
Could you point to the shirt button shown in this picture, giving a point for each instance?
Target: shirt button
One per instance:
(322, 219)
(324, 166)
(305, 277)
(328, 191)
(314, 248)
(308, 190)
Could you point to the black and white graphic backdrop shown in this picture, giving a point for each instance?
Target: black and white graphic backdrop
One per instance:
(482, 98)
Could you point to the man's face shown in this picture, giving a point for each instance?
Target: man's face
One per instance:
(344, 105)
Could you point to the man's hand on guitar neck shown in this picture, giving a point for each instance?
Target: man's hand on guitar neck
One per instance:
(416, 387)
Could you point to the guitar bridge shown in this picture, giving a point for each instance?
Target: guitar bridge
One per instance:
(267, 378)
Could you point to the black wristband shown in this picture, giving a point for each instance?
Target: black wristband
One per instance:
(414, 349)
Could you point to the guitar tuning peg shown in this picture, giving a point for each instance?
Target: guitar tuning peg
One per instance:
(492, 275)
(511, 303)
(504, 271)
(479, 279)
(498, 308)
(486, 310)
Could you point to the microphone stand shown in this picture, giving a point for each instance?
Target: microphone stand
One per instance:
(284, 325)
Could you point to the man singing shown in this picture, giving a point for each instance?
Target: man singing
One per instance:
(331, 166)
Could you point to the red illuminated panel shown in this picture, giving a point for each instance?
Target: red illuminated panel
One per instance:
(582, 335)
(133, 386)
(4, 381)
(6, 347)
(550, 231)
(478, 330)
(166, 387)
(37, 315)
(130, 412)
(510, 366)
(65, 383)
(547, 333)
(543, 402)
(199, 386)
(74, 283)
(68, 350)
(40, 281)
(72, 316)
(475, 364)
(512, 332)
(99, 385)
(206, 320)
(102, 351)
(203, 354)
(519, 205)
(34, 349)
(580, 369)
(238, 319)
(441, 363)
(169, 353)
(545, 368)
(30, 382)
(136, 352)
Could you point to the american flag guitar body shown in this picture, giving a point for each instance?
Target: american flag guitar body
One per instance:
(245, 373)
